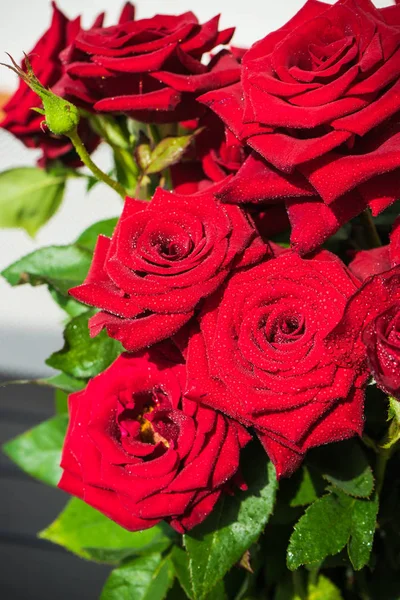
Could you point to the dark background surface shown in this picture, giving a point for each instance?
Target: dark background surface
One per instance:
(30, 568)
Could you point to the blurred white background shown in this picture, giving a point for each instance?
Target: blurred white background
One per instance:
(30, 323)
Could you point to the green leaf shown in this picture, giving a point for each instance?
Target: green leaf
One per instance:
(307, 491)
(62, 267)
(322, 531)
(88, 238)
(176, 592)
(362, 531)
(82, 356)
(112, 130)
(235, 523)
(29, 197)
(38, 451)
(72, 307)
(63, 382)
(145, 578)
(180, 560)
(393, 434)
(143, 154)
(324, 590)
(345, 466)
(167, 153)
(328, 525)
(126, 170)
(61, 402)
(88, 533)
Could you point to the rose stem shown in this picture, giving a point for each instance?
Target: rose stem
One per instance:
(370, 230)
(85, 158)
(298, 584)
(380, 467)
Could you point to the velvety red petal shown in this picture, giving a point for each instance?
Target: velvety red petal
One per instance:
(164, 99)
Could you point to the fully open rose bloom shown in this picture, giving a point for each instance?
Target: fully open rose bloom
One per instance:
(164, 257)
(318, 104)
(150, 68)
(139, 453)
(260, 355)
(371, 321)
(21, 120)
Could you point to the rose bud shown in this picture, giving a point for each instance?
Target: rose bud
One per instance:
(21, 119)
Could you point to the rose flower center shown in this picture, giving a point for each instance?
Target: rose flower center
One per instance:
(133, 418)
(287, 329)
(174, 249)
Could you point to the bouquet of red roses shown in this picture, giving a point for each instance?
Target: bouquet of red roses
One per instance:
(238, 325)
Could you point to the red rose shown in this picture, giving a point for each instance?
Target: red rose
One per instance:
(371, 323)
(371, 262)
(260, 356)
(319, 105)
(270, 221)
(395, 243)
(139, 453)
(216, 154)
(164, 257)
(26, 124)
(150, 68)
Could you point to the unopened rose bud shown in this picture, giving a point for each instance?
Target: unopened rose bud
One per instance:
(61, 116)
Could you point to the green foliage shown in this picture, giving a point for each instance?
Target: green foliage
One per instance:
(324, 589)
(61, 402)
(63, 382)
(82, 356)
(308, 487)
(145, 578)
(364, 514)
(345, 466)
(86, 532)
(168, 152)
(323, 530)
(143, 154)
(126, 170)
(72, 307)
(61, 267)
(328, 525)
(235, 523)
(29, 197)
(180, 560)
(393, 434)
(38, 451)
(62, 117)
(88, 237)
